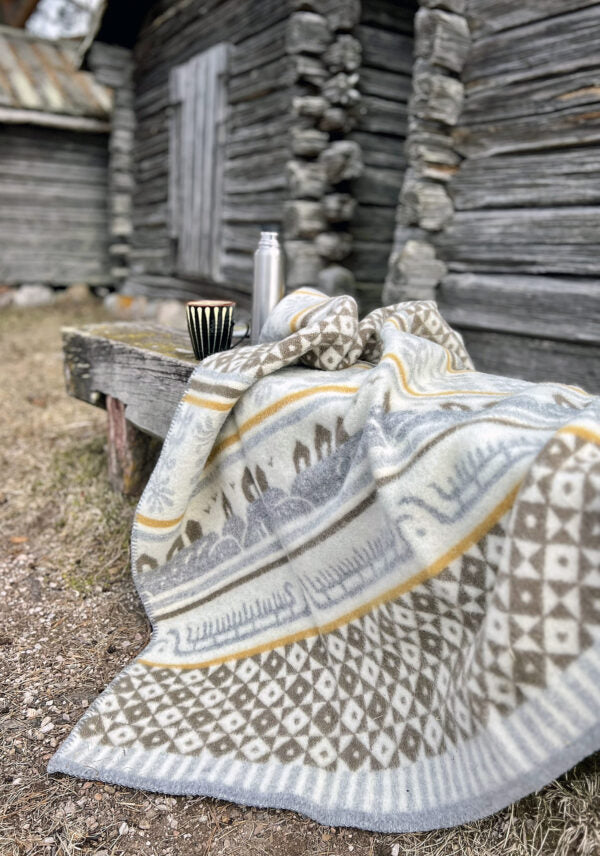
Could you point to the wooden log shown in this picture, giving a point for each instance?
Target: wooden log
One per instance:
(344, 54)
(548, 95)
(436, 97)
(385, 84)
(542, 240)
(342, 15)
(568, 127)
(124, 360)
(378, 186)
(491, 16)
(310, 69)
(548, 307)
(382, 116)
(335, 280)
(307, 32)
(414, 272)
(303, 219)
(312, 106)
(341, 161)
(458, 6)
(387, 50)
(306, 179)
(334, 246)
(374, 222)
(390, 16)
(425, 203)
(368, 261)
(270, 77)
(303, 263)
(308, 142)
(535, 359)
(336, 119)
(565, 177)
(338, 207)
(551, 46)
(342, 89)
(263, 47)
(132, 454)
(442, 38)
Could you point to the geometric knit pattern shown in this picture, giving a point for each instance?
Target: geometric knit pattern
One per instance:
(373, 576)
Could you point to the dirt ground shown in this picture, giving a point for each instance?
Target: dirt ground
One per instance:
(70, 620)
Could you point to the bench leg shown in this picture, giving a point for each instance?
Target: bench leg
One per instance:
(131, 453)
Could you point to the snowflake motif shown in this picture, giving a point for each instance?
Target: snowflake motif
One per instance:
(158, 495)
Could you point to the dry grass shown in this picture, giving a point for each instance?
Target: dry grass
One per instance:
(70, 620)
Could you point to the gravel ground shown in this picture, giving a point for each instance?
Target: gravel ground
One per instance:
(70, 620)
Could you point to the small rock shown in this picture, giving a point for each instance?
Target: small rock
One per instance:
(29, 296)
(123, 829)
(395, 849)
(143, 824)
(126, 308)
(77, 293)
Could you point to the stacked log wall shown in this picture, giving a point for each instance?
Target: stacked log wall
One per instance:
(113, 66)
(442, 44)
(53, 206)
(522, 246)
(386, 34)
(257, 138)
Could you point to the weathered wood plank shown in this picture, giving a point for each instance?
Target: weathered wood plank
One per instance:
(491, 16)
(546, 307)
(378, 186)
(543, 240)
(127, 360)
(546, 95)
(552, 45)
(535, 359)
(571, 127)
(53, 217)
(387, 50)
(565, 177)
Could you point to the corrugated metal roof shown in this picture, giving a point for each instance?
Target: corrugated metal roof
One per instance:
(39, 83)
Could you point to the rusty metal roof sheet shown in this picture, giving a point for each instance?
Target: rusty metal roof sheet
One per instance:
(40, 84)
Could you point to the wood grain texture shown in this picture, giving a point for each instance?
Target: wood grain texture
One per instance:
(544, 240)
(144, 366)
(54, 217)
(547, 307)
(564, 177)
(535, 359)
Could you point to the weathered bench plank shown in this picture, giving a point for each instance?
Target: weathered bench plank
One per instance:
(144, 366)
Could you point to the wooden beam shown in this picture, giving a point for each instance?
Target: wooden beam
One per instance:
(11, 116)
(543, 306)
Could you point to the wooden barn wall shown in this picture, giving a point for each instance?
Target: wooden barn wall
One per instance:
(257, 134)
(53, 206)
(386, 33)
(522, 245)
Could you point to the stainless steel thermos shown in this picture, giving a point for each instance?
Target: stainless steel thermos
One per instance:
(268, 281)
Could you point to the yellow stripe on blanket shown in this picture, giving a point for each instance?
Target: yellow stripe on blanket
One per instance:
(432, 570)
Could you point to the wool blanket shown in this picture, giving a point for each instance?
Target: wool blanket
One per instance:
(373, 576)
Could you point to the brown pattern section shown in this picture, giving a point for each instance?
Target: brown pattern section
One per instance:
(330, 337)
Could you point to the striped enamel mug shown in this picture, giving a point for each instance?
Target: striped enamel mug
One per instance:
(210, 325)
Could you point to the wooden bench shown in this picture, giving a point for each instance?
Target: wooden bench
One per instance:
(137, 372)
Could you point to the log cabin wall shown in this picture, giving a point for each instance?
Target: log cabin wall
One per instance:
(256, 139)
(522, 246)
(53, 206)
(113, 66)
(386, 34)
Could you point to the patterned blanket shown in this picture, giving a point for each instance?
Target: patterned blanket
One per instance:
(373, 576)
